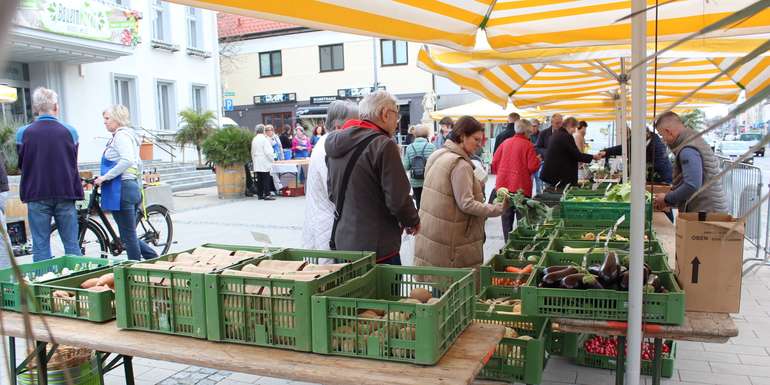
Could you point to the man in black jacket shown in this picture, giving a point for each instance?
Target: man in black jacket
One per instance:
(509, 131)
(541, 147)
(563, 156)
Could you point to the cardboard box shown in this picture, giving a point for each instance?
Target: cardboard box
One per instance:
(709, 261)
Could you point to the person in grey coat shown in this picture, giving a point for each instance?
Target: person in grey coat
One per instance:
(376, 203)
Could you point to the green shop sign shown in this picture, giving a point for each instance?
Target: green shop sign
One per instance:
(86, 19)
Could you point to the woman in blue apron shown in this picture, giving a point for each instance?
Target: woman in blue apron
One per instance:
(121, 181)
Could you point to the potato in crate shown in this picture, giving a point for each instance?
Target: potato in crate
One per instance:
(395, 313)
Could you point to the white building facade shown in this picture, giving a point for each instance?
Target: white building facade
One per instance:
(156, 58)
(289, 74)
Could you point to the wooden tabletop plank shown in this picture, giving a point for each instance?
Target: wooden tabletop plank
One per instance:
(458, 366)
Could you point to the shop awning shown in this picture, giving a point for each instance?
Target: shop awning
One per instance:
(483, 110)
(509, 25)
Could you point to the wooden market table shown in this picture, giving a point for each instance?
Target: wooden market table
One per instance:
(459, 365)
(697, 326)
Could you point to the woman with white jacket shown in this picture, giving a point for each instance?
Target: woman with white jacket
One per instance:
(262, 156)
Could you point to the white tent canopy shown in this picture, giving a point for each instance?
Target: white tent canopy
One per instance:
(483, 110)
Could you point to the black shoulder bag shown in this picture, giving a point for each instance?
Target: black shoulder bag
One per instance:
(344, 187)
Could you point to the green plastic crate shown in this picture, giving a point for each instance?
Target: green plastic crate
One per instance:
(599, 210)
(414, 333)
(179, 308)
(572, 234)
(596, 224)
(588, 191)
(518, 245)
(85, 305)
(601, 304)
(584, 358)
(657, 262)
(11, 291)
(514, 359)
(493, 270)
(557, 245)
(281, 317)
(563, 344)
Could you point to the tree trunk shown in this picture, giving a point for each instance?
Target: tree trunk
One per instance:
(198, 148)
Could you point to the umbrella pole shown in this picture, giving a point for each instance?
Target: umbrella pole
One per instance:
(638, 170)
(623, 122)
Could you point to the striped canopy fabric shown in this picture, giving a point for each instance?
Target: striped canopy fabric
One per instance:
(7, 94)
(593, 86)
(510, 25)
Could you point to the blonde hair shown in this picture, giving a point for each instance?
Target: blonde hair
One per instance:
(119, 113)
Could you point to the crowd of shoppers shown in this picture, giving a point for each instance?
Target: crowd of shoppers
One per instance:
(416, 160)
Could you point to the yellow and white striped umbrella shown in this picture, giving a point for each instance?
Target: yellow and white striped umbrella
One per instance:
(591, 84)
(7, 94)
(754, 75)
(510, 25)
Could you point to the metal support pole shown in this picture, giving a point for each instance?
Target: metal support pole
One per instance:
(657, 361)
(128, 368)
(374, 64)
(42, 364)
(13, 369)
(638, 170)
(620, 364)
(624, 117)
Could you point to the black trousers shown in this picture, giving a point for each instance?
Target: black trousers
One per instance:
(417, 191)
(264, 184)
(508, 218)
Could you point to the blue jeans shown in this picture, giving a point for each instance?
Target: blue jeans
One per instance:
(538, 181)
(126, 219)
(64, 213)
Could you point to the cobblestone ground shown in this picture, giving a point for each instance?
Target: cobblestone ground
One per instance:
(200, 217)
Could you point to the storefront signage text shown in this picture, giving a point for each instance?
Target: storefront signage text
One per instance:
(86, 19)
(275, 98)
(359, 92)
(322, 99)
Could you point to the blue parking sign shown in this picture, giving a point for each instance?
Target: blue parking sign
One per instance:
(228, 104)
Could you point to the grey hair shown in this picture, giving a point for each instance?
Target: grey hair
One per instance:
(370, 108)
(533, 121)
(421, 131)
(119, 114)
(259, 129)
(338, 112)
(44, 100)
(522, 126)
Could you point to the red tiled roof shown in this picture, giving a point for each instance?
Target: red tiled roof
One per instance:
(235, 25)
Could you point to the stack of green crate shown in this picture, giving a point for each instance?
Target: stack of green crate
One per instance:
(521, 355)
(165, 301)
(372, 317)
(572, 209)
(11, 290)
(272, 311)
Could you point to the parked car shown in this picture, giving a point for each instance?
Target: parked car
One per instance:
(732, 149)
(753, 138)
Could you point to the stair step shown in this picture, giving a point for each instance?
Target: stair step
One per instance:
(193, 185)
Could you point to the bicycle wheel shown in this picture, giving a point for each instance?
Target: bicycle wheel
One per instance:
(156, 229)
(93, 242)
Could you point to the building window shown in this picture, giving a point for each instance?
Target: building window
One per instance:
(124, 92)
(160, 21)
(166, 105)
(199, 98)
(278, 119)
(270, 64)
(332, 57)
(393, 52)
(194, 33)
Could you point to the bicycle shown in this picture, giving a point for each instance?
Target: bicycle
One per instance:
(154, 227)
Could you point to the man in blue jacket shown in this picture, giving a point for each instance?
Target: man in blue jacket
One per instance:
(50, 183)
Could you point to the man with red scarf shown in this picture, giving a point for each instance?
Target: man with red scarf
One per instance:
(367, 182)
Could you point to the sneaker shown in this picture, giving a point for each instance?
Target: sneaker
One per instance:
(268, 198)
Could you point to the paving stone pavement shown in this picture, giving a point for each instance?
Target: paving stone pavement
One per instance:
(745, 360)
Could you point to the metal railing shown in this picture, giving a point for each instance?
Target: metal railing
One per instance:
(743, 190)
(158, 142)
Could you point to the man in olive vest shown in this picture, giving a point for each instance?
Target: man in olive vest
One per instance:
(695, 164)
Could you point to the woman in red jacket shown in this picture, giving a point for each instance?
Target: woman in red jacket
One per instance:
(514, 163)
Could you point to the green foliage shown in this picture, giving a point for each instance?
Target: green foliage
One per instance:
(694, 120)
(8, 144)
(196, 128)
(228, 146)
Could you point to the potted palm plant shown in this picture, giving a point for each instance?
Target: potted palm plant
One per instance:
(229, 149)
(196, 127)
